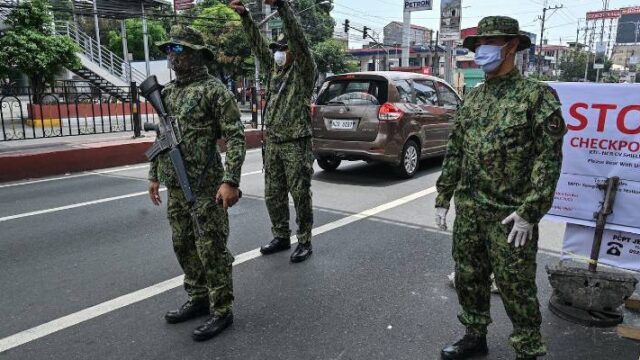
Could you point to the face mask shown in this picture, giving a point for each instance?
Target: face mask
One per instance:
(489, 57)
(280, 57)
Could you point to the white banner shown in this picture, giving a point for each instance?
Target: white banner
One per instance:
(604, 129)
(618, 248)
(603, 141)
(577, 198)
(418, 5)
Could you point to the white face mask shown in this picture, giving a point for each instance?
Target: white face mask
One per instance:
(280, 57)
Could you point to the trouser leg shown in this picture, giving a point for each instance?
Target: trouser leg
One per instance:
(184, 245)
(298, 159)
(472, 274)
(276, 191)
(214, 255)
(515, 274)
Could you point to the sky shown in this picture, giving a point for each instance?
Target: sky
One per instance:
(561, 25)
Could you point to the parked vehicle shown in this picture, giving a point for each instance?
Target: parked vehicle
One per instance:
(392, 117)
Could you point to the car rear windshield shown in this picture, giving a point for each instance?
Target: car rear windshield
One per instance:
(354, 92)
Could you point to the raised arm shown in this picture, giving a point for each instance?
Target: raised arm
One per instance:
(259, 45)
(297, 41)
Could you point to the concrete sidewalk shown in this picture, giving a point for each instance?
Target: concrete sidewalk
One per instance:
(25, 159)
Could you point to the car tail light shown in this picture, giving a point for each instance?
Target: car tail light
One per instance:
(390, 112)
(314, 109)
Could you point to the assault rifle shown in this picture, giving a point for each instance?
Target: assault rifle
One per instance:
(168, 139)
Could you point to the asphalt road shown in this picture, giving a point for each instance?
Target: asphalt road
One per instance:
(88, 269)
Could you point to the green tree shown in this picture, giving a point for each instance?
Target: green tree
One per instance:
(62, 9)
(316, 19)
(331, 56)
(223, 33)
(31, 46)
(135, 39)
(573, 65)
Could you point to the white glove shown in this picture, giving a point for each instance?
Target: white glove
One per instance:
(521, 232)
(441, 218)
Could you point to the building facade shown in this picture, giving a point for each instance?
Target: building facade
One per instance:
(418, 35)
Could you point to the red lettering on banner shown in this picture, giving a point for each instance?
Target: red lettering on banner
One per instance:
(576, 115)
(584, 142)
(593, 143)
(604, 108)
(621, 120)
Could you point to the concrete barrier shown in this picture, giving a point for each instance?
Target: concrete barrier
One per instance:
(84, 157)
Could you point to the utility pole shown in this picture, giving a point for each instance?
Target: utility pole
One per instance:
(606, 7)
(406, 29)
(591, 43)
(145, 41)
(258, 109)
(95, 19)
(544, 18)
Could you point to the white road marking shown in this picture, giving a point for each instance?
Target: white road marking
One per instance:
(89, 173)
(67, 321)
(88, 203)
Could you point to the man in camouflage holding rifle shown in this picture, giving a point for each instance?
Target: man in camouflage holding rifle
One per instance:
(205, 111)
(288, 157)
(503, 162)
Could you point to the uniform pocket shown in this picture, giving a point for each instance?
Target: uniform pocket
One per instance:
(514, 134)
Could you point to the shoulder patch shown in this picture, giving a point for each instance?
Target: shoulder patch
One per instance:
(554, 125)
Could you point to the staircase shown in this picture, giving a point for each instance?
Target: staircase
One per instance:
(4, 11)
(101, 67)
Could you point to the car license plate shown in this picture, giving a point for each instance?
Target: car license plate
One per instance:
(343, 124)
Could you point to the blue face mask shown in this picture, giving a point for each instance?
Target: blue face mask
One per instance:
(489, 57)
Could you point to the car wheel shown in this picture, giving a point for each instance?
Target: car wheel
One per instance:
(328, 163)
(409, 160)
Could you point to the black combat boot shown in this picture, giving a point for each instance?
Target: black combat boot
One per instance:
(276, 245)
(189, 310)
(470, 345)
(301, 253)
(212, 327)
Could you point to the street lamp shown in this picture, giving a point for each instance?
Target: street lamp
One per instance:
(275, 13)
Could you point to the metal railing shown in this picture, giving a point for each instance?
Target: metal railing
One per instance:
(68, 108)
(100, 55)
(6, 9)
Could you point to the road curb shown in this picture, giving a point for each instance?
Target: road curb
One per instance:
(84, 157)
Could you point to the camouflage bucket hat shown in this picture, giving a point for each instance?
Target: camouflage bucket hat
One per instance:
(493, 26)
(188, 37)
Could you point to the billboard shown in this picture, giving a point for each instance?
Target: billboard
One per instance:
(628, 28)
(450, 12)
(183, 4)
(418, 5)
(630, 10)
(606, 14)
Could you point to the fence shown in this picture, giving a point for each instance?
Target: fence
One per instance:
(70, 108)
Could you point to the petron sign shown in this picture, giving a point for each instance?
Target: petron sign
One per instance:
(418, 5)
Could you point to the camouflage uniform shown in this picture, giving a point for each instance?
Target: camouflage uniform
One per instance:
(206, 111)
(288, 157)
(504, 155)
